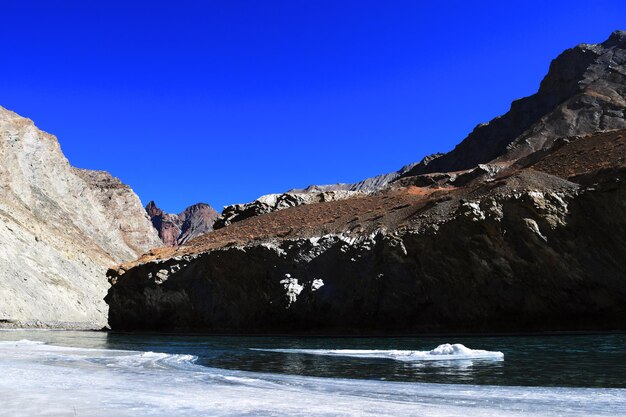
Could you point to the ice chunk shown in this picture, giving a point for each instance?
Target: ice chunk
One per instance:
(442, 352)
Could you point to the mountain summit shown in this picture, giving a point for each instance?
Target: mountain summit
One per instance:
(584, 92)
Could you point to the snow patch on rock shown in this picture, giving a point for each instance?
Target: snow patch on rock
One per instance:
(292, 289)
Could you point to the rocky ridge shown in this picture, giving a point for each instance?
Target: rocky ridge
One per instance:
(60, 229)
(584, 92)
(521, 227)
(311, 194)
(177, 229)
(539, 247)
(275, 202)
(369, 185)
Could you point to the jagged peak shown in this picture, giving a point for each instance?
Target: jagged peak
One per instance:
(153, 210)
(556, 110)
(616, 38)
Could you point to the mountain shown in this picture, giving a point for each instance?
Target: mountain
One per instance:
(312, 194)
(60, 229)
(584, 92)
(274, 202)
(177, 229)
(368, 185)
(521, 228)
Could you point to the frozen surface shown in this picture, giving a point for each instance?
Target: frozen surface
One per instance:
(40, 379)
(445, 352)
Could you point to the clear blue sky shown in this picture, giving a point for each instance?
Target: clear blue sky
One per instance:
(223, 101)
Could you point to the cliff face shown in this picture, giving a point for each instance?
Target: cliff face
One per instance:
(521, 227)
(177, 229)
(60, 229)
(537, 246)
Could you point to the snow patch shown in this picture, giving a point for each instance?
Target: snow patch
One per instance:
(292, 289)
(317, 284)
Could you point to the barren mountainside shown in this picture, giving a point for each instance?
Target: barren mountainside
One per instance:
(521, 227)
(584, 92)
(60, 229)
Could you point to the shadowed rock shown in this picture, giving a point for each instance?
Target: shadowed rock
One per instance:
(521, 227)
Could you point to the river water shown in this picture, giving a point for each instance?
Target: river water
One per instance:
(69, 373)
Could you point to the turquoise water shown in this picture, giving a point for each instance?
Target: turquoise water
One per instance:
(597, 360)
(61, 373)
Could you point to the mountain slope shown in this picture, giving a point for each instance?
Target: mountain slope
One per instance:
(538, 247)
(534, 240)
(584, 92)
(60, 228)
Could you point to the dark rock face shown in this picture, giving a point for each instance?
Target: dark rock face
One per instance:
(584, 92)
(505, 260)
(538, 246)
(177, 229)
(521, 227)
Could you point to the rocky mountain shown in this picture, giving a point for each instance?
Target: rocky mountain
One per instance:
(537, 247)
(368, 185)
(584, 92)
(521, 227)
(177, 229)
(274, 202)
(60, 229)
(312, 194)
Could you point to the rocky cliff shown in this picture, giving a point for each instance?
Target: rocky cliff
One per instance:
(177, 229)
(584, 92)
(60, 229)
(539, 246)
(521, 227)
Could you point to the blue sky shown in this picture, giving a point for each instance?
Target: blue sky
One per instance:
(223, 101)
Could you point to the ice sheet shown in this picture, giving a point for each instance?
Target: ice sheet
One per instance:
(40, 379)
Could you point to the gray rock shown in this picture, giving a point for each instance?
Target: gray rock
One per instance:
(60, 229)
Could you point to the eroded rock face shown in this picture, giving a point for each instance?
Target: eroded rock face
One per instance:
(60, 229)
(521, 227)
(501, 261)
(177, 229)
(537, 247)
